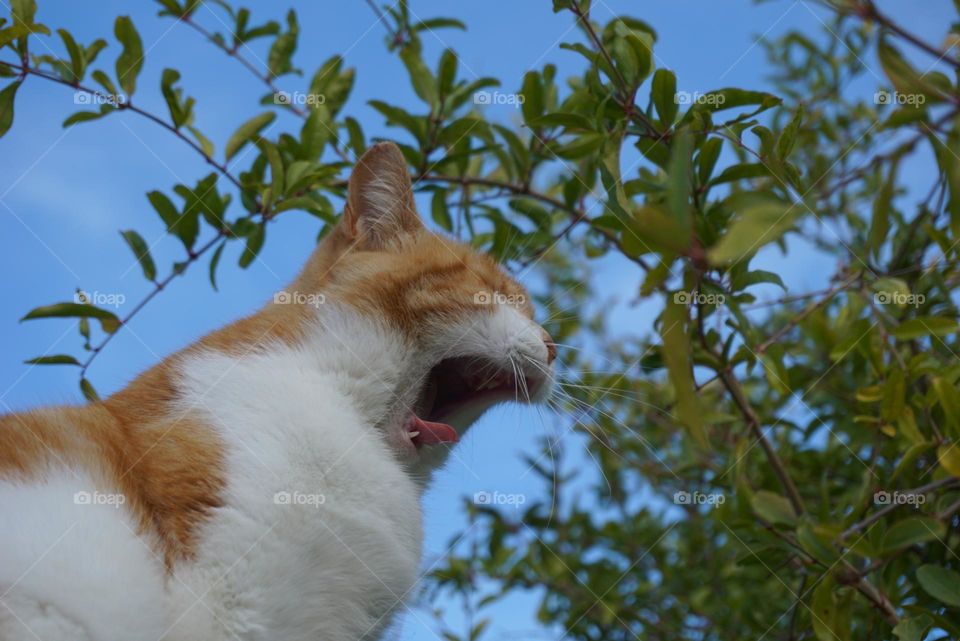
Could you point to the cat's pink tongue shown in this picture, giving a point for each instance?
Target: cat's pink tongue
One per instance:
(432, 433)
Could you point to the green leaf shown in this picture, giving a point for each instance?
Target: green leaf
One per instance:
(677, 356)
(181, 109)
(84, 116)
(913, 628)
(439, 23)
(817, 543)
(23, 11)
(247, 131)
(184, 226)
(214, 262)
(707, 159)
(10, 34)
(755, 277)
(57, 359)
(882, 205)
(731, 98)
(650, 229)
(276, 170)
(925, 326)
(830, 612)
(911, 531)
(398, 116)
(446, 71)
(89, 392)
(77, 59)
(532, 92)
(139, 248)
(743, 171)
(281, 51)
(948, 455)
(204, 142)
(108, 320)
(678, 177)
(664, 94)
(439, 210)
(253, 246)
(940, 583)
(6, 106)
(788, 137)
(760, 220)
(424, 84)
(773, 508)
(130, 61)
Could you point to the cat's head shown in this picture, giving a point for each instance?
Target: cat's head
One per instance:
(468, 326)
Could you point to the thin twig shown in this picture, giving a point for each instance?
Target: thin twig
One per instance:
(879, 514)
(129, 106)
(233, 52)
(753, 422)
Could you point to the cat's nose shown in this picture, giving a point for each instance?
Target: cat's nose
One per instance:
(551, 347)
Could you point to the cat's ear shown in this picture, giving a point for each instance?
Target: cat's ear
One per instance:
(380, 203)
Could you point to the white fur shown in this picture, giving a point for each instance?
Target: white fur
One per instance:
(307, 422)
(74, 571)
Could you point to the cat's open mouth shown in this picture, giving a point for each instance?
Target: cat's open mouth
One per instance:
(462, 387)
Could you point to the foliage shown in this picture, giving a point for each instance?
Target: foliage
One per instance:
(811, 490)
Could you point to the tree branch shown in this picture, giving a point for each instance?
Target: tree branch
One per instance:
(264, 77)
(25, 70)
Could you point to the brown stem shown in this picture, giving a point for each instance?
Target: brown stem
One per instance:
(754, 424)
(264, 77)
(128, 106)
(159, 286)
(796, 320)
(871, 12)
(879, 514)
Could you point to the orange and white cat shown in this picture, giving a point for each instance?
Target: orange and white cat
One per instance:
(264, 482)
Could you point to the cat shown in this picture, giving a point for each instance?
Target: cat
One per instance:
(264, 482)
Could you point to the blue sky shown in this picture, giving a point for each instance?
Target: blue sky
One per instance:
(64, 194)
